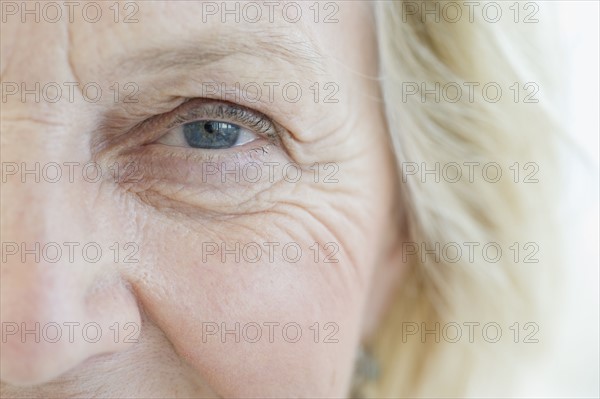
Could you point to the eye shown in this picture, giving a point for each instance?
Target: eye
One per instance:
(216, 126)
(208, 134)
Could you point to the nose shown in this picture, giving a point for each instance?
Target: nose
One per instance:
(62, 300)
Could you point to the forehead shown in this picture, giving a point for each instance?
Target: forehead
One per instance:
(314, 51)
(137, 34)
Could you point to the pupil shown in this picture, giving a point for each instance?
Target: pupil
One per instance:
(208, 126)
(211, 134)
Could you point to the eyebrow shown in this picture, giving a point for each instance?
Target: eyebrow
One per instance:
(300, 53)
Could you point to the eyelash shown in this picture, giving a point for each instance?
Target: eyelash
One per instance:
(210, 110)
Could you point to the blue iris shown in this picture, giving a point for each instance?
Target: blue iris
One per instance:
(211, 134)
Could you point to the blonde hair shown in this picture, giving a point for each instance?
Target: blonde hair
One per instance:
(425, 51)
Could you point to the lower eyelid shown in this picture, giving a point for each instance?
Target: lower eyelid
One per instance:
(156, 162)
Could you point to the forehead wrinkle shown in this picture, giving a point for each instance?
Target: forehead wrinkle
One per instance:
(299, 52)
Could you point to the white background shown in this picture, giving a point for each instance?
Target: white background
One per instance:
(575, 369)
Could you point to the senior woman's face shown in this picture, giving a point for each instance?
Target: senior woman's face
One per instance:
(190, 207)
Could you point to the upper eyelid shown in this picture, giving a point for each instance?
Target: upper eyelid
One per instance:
(191, 111)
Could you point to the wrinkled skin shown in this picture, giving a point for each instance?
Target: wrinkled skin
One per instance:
(172, 294)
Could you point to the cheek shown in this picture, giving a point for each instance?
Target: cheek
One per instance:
(259, 305)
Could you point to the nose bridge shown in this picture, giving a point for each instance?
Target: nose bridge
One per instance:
(47, 186)
(41, 152)
(46, 220)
